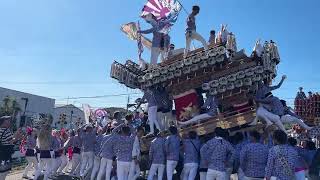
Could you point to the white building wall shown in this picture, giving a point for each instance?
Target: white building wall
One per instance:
(36, 104)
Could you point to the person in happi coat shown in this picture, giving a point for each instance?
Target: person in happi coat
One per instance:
(30, 146)
(107, 155)
(160, 41)
(172, 147)
(7, 140)
(157, 156)
(150, 95)
(254, 157)
(123, 149)
(217, 152)
(45, 154)
(191, 149)
(58, 150)
(281, 158)
(136, 155)
(263, 89)
(64, 159)
(97, 150)
(88, 139)
(211, 107)
(301, 165)
(274, 111)
(75, 143)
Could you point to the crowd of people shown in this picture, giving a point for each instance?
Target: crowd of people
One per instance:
(119, 152)
(128, 149)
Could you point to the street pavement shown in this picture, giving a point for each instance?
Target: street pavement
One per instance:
(17, 175)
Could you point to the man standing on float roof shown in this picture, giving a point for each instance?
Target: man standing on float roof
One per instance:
(159, 40)
(191, 33)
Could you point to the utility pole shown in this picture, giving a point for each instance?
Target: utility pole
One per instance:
(71, 123)
(128, 100)
(23, 117)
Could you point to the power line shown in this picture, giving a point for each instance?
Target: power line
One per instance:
(96, 97)
(53, 82)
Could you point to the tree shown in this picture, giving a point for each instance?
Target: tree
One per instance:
(10, 107)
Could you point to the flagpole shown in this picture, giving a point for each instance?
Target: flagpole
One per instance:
(184, 9)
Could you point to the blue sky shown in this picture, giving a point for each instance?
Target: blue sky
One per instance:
(64, 48)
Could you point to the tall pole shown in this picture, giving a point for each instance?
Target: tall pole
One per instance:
(24, 111)
(25, 105)
(71, 123)
(128, 100)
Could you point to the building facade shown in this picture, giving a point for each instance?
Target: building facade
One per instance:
(30, 105)
(67, 116)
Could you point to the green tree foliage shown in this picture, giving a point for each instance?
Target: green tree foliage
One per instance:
(10, 107)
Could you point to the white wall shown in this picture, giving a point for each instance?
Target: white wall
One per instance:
(36, 104)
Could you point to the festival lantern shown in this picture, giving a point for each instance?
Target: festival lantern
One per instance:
(222, 89)
(220, 59)
(211, 61)
(203, 64)
(179, 64)
(249, 72)
(195, 60)
(240, 75)
(213, 53)
(223, 81)
(178, 73)
(258, 70)
(230, 86)
(163, 78)
(232, 77)
(164, 70)
(213, 91)
(186, 70)
(206, 86)
(188, 61)
(194, 67)
(214, 83)
(170, 75)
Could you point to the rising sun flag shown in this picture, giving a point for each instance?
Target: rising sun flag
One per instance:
(164, 10)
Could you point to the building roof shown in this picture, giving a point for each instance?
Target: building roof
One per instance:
(24, 93)
(66, 106)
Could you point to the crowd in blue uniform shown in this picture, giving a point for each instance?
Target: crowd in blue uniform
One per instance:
(119, 152)
(116, 153)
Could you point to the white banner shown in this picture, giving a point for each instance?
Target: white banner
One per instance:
(87, 112)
